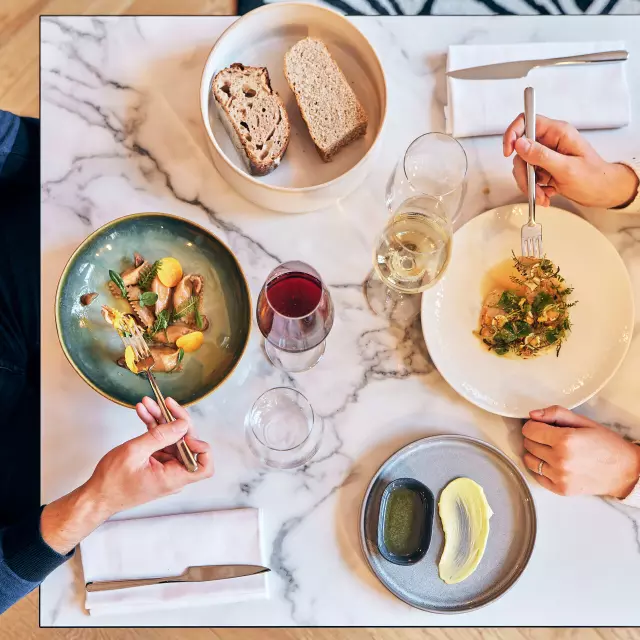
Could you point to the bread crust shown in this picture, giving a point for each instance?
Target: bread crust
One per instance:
(255, 165)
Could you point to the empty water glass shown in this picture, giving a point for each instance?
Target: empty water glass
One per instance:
(281, 430)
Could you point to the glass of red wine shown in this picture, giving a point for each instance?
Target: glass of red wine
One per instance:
(295, 315)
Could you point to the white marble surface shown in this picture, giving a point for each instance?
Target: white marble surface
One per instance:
(121, 133)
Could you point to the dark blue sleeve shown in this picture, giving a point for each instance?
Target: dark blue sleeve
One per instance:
(25, 559)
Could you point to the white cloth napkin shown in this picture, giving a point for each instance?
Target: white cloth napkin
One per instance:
(594, 96)
(166, 546)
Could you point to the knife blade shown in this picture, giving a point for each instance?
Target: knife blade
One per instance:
(520, 68)
(205, 573)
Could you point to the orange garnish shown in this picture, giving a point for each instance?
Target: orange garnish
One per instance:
(170, 272)
(191, 342)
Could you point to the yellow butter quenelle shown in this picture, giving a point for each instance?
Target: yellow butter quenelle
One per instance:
(464, 512)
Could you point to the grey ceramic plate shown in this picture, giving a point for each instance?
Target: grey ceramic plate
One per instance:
(92, 346)
(435, 461)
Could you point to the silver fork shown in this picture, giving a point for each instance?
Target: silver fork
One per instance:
(531, 233)
(144, 362)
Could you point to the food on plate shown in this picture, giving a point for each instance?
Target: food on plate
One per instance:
(171, 317)
(465, 513)
(254, 116)
(328, 104)
(88, 298)
(531, 314)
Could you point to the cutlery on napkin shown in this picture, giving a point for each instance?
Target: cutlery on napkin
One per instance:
(590, 96)
(520, 68)
(190, 574)
(167, 546)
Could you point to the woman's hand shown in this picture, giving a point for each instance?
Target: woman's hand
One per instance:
(580, 456)
(567, 164)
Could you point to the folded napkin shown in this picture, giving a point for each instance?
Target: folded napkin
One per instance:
(593, 96)
(166, 546)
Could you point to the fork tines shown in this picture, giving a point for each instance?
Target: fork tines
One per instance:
(532, 243)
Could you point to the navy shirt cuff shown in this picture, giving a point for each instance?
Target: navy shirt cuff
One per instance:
(26, 553)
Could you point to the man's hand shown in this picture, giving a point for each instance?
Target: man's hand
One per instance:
(567, 164)
(136, 472)
(580, 456)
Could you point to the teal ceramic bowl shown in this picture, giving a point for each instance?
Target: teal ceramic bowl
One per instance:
(92, 346)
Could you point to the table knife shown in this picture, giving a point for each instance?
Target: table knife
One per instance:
(519, 69)
(191, 574)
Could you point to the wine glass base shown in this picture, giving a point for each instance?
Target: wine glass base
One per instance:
(294, 362)
(399, 308)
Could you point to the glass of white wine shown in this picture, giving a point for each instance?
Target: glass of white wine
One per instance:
(410, 256)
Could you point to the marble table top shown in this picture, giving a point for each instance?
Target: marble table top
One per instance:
(121, 133)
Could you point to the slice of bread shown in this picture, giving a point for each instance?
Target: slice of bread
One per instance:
(254, 115)
(330, 108)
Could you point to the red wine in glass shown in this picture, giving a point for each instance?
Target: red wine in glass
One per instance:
(295, 315)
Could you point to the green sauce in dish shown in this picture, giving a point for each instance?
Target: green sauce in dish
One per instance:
(402, 522)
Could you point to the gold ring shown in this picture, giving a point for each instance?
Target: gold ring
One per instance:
(540, 464)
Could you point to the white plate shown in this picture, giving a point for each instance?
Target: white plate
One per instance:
(602, 319)
(261, 38)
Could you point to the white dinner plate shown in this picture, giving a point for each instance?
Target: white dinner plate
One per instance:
(602, 319)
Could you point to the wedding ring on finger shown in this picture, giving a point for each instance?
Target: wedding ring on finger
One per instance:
(540, 465)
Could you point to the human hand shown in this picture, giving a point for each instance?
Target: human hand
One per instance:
(138, 471)
(580, 456)
(148, 466)
(567, 164)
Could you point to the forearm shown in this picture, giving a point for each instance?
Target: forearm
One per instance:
(70, 519)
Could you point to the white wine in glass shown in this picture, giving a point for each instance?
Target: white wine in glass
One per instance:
(414, 249)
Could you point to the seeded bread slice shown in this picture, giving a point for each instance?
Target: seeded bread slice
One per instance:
(330, 108)
(254, 115)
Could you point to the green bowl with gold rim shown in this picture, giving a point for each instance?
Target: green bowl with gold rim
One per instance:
(93, 347)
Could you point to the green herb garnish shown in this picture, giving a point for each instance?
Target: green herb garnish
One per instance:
(118, 281)
(531, 318)
(541, 300)
(161, 323)
(148, 299)
(185, 308)
(147, 275)
(198, 318)
(509, 301)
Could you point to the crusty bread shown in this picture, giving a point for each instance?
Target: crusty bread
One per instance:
(330, 108)
(254, 115)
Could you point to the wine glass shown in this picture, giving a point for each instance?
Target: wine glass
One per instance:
(410, 256)
(435, 164)
(280, 429)
(295, 314)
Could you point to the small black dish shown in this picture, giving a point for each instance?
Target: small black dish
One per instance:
(405, 521)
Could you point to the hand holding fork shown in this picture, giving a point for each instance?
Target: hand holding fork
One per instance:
(531, 233)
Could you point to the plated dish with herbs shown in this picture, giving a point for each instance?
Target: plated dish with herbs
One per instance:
(175, 280)
(512, 335)
(531, 316)
(167, 305)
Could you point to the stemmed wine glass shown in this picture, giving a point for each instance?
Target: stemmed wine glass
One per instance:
(295, 314)
(434, 164)
(410, 256)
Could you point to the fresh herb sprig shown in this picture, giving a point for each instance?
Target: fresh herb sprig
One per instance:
(116, 278)
(147, 275)
(161, 323)
(148, 299)
(187, 307)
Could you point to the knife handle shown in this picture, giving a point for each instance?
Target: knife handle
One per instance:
(604, 56)
(530, 132)
(110, 585)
